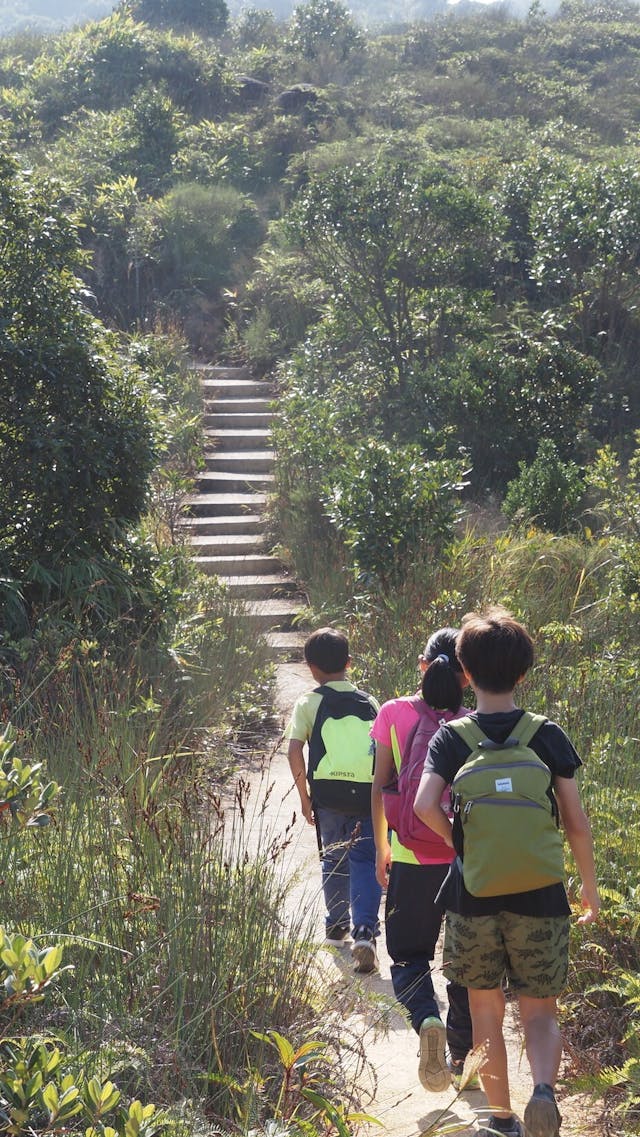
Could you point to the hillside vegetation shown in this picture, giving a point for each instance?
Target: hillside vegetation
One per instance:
(427, 238)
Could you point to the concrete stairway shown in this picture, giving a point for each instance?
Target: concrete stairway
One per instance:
(226, 516)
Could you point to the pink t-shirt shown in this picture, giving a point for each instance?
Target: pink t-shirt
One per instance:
(398, 713)
(397, 717)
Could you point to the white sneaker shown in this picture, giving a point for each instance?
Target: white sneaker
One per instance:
(433, 1072)
(336, 936)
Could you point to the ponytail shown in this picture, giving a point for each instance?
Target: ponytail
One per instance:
(442, 681)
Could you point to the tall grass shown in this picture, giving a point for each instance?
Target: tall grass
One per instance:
(586, 673)
(167, 892)
(170, 903)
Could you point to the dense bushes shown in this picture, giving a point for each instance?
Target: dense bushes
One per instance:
(68, 401)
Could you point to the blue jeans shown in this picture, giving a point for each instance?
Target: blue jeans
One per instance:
(351, 891)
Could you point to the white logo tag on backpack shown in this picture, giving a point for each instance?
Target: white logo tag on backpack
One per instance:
(504, 786)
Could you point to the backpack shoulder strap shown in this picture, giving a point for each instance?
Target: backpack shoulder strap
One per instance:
(526, 726)
(357, 698)
(469, 731)
(323, 690)
(427, 719)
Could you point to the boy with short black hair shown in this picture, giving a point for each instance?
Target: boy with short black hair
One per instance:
(523, 934)
(334, 721)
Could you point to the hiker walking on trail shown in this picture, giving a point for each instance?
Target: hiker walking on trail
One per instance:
(413, 872)
(334, 721)
(507, 913)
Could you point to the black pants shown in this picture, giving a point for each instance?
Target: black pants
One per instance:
(412, 925)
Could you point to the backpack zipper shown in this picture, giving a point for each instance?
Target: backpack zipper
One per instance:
(502, 801)
(501, 765)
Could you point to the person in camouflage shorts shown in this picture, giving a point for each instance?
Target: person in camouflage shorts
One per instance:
(520, 939)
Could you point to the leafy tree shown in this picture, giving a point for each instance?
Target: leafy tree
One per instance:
(500, 397)
(105, 220)
(323, 35)
(186, 247)
(254, 27)
(586, 229)
(102, 67)
(76, 441)
(139, 141)
(98, 66)
(208, 17)
(388, 239)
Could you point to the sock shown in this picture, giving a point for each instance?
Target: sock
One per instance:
(502, 1124)
(544, 1090)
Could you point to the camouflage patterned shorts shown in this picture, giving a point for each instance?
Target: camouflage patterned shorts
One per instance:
(532, 952)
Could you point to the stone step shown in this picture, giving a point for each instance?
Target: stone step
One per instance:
(240, 524)
(224, 525)
(238, 439)
(248, 564)
(261, 586)
(217, 371)
(224, 504)
(244, 422)
(255, 461)
(286, 647)
(272, 615)
(227, 544)
(234, 389)
(239, 406)
(223, 481)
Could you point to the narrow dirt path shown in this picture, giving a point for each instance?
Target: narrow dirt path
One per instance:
(397, 1098)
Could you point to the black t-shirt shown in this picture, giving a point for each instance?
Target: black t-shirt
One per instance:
(447, 753)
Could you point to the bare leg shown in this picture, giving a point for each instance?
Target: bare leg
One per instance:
(487, 1014)
(542, 1037)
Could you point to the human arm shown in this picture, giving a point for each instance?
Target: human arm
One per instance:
(383, 773)
(578, 830)
(295, 756)
(427, 806)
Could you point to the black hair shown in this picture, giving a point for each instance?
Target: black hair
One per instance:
(327, 649)
(442, 682)
(495, 649)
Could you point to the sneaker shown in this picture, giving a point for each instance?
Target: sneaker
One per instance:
(336, 936)
(433, 1071)
(363, 950)
(460, 1080)
(542, 1116)
(515, 1129)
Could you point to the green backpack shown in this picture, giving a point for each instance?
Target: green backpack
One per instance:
(512, 842)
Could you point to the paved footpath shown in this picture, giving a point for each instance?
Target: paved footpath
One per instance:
(397, 1098)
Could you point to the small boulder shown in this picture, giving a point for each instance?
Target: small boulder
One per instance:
(297, 98)
(251, 90)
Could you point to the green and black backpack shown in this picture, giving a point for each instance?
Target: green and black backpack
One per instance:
(341, 752)
(510, 823)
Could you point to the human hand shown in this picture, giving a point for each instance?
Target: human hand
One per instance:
(383, 866)
(307, 810)
(591, 905)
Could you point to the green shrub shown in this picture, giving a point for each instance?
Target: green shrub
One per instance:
(195, 237)
(43, 1088)
(388, 500)
(548, 492)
